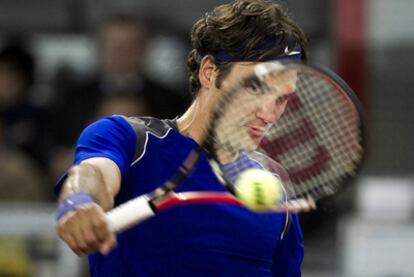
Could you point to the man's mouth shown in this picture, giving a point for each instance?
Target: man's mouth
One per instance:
(256, 132)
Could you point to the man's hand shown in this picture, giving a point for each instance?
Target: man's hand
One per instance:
(85, 230)
(88, 191)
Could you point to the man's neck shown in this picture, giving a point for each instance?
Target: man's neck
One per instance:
(193, 122)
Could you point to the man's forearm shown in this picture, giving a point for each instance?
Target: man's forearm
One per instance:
(88, 191)
(97, 177)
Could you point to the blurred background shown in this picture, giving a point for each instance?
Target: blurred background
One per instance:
(65, 63)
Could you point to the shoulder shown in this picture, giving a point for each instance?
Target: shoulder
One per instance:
(155, 126)
(130, 134)
(146, 127)
(109, 125)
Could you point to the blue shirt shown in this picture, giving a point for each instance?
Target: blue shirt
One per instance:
(196, 240)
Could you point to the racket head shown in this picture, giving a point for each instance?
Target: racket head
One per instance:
(315, 134)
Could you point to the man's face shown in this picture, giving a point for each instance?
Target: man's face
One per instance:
(123, 49)
(249, 112)
(12, 87)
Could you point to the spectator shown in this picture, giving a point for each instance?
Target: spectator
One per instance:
(22, 121)
(120, 104)
(20, 177)
(107, 105)
(122, 41)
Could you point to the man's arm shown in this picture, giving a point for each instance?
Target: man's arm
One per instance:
(84, 228)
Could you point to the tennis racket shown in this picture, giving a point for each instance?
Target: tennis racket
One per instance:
(310, 135)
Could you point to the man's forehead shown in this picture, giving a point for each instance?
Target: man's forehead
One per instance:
(243, 67)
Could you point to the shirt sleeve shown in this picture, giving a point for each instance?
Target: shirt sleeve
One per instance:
(111, 137)
(289, 252)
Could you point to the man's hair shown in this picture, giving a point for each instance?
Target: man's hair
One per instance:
(17, 59)
(244, 29)
(131, 21)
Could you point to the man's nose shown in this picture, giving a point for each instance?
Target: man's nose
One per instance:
(267, 110)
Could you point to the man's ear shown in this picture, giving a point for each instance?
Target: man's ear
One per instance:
(206, 74)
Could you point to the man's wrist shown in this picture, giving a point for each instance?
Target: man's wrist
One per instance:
(72, 202)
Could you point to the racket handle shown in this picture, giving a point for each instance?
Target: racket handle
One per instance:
(128, 214)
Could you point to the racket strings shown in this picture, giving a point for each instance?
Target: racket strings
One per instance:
(318, 139)
(231, 132)
(231, 135)
(333, 129)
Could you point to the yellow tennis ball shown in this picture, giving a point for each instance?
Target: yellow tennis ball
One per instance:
(258, 189)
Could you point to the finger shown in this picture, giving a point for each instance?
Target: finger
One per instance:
(311, 202)
(101, 227)
(306, 204)
(82, 231)
(106, 246)
(89, 236)
(68, 230)
(105, 237)
(93, 228)
(289, 206)
(77, 243)
(299, 205)
(80, 243)
(70, 240)
(295, 206)
(283, 208)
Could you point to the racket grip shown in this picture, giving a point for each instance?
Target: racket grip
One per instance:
(129, 214)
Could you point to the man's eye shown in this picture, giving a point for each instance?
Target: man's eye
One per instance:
(255, 86)
(282, 99)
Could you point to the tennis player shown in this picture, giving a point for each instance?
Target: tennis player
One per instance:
(119, 158)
